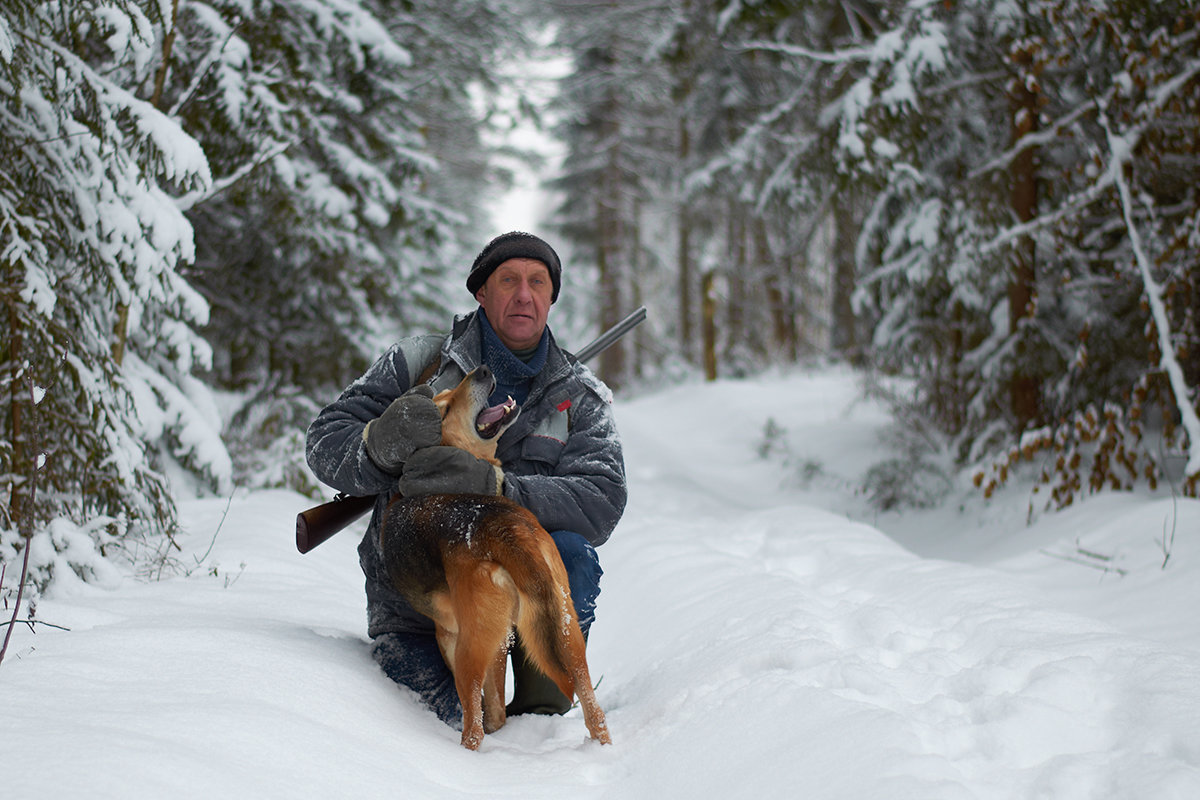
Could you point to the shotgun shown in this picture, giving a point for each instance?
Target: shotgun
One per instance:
(319, 523)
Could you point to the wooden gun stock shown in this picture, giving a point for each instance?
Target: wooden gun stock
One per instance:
(321, 522)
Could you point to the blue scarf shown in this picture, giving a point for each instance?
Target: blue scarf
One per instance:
(514, 376)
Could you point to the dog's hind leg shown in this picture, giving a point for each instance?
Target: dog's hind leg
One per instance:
(494, 715)
(488, 602)
(501, 619)
(593, 715)
(557, 647)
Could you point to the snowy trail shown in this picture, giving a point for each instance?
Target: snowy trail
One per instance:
(834, 648)
(861, 670)
(750, 646)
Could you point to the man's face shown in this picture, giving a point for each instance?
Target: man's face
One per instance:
(516, 298)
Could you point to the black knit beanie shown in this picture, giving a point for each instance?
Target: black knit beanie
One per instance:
(516, 244)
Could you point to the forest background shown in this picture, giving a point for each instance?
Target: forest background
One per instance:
(215, 213)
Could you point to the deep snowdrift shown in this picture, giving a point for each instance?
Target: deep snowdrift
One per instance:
(753, 641)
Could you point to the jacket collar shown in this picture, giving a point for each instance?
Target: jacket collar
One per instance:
(465, 348)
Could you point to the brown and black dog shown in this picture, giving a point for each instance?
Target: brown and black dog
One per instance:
(481, 566)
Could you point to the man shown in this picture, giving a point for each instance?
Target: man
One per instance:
(561, 459)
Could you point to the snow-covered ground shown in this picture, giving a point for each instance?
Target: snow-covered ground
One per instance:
(758, 636)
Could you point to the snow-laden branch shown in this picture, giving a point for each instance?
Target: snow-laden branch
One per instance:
(209, 62)
(739, 153)
(844, 56)
(1121, 151)
(1038, 138)
(1047, 135)
(1097, 190)
(188, 201)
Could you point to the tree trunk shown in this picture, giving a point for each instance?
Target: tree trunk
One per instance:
(120, 334)
(779, 294)
(1025, 387)
(709, 302)
(23, 497)
(160, 79)
(17, 508)
(684, 255)
(610, 248)
(637, 268)
(735, 278)
(843, 325)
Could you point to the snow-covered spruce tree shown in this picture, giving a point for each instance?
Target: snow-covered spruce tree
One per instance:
(467, 80)
(1128, 229)
(907, 141)
(616, 127)
(732, 253)
(655, 94)
(99, 403)
(1032, 251)
(768, 148)
(705, 120)
(328, 229)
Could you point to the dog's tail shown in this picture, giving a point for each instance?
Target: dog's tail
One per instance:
(549, 628)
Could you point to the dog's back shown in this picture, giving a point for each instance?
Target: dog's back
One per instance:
(479, 566)
(422, 535)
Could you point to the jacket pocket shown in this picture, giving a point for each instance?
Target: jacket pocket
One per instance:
(542, 450)
(545, 443)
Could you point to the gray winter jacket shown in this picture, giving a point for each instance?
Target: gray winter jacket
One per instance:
(562, 458)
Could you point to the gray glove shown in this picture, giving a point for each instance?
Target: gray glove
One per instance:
(448, 470)
(410, 422)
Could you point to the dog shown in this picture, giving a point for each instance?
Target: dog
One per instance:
(481, 567)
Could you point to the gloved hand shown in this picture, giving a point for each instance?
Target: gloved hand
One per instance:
(412, 421)
(449, 470)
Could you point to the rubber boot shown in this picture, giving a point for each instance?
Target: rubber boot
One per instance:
(533, 692)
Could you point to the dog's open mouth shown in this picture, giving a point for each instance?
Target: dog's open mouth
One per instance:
(492, 419)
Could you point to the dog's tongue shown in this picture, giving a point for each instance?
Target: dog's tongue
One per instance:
(494, 413)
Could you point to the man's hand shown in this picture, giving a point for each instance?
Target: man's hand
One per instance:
(411, 422)
(448, 470)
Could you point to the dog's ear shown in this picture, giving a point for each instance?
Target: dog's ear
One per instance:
(442, 401)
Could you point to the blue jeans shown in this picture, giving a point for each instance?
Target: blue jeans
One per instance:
(413, 659)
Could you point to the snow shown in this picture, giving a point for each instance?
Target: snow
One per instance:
(6, 42)
(758, 635)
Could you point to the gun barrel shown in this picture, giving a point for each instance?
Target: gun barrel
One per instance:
(610, 336)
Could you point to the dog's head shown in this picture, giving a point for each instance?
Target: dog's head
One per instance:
(468, 422)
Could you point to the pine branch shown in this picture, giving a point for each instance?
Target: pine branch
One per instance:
(1121, 150)
(844, 56)
(1038, 138)
(188, 201)
(209, 62)
(1100, 187)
